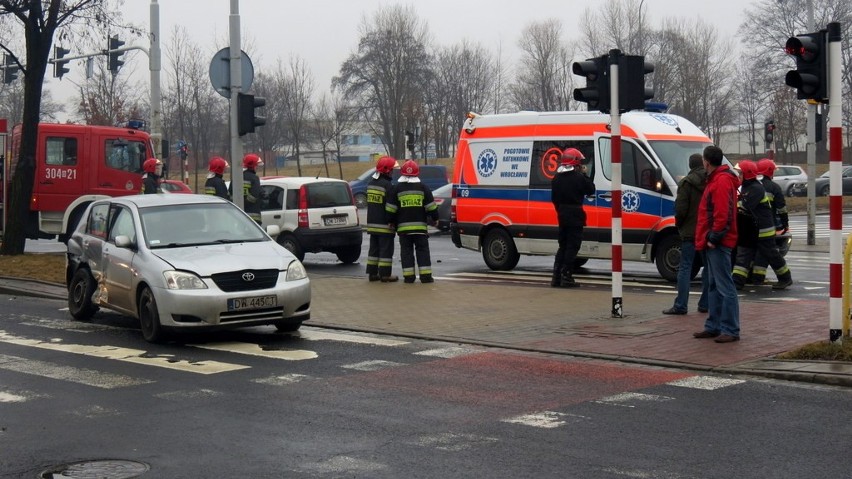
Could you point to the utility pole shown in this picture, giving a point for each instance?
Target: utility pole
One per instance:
(155, 67)
(236, 86)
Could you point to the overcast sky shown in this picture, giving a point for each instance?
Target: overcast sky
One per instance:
(325, 32)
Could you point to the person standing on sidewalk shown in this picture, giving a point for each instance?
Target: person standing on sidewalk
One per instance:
(778, 203)
(716, 235)
(215, 184)
(689, 192)
(412, 209)
(379, 224)
(568, 188)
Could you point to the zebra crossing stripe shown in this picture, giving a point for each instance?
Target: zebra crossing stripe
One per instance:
(707, 383)
(86, 377)
(253, 349)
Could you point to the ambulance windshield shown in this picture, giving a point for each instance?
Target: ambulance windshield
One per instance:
(675, 155)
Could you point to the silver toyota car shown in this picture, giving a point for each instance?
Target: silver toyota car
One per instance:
(183, 262)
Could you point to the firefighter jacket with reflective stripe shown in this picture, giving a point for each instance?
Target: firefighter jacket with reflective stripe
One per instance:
(150, 184)
(253, 195)
(754, 203)
(778, 203)
(216, 186)
(412, 207)
(378, 219)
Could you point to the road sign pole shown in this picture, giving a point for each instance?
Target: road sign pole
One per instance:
(615, 115)
(155, 67)
(236, 86)
(835, 202)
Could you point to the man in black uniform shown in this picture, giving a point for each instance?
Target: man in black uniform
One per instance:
(153, 169)
(412, 208)
(253, 195)
(778, 203)
(215, 185)
(379, 225)
(568, 188)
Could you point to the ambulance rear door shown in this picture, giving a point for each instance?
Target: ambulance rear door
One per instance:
(60, 168)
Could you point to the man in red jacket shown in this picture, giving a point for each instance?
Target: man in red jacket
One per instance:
(716, 236)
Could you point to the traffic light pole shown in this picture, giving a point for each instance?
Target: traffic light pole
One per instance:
(810, 149)
(835, 202)
(236, 86)
(615, 142)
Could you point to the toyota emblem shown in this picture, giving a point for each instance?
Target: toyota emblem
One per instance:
(248, 276)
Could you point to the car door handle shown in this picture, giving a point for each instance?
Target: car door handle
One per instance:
(277, 217)
(106, 184)
(605, 196)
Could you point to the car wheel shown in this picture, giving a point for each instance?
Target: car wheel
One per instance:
(349, 255)
(292, 245)
(789, 191)
(825, 190)
(498, 250)
(149, 317)
(668, 257)
(360, 200)
(80, 292)
(288, 325)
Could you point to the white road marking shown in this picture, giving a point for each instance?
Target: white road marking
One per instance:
(545, 419)
(19, 396)
(93, 411)
(189, 394)
(371, 365)
(136, 356)
(314, 335)
(345, 466)
(281, 380)
(707, 383)
(87, 377)
(451, 352)
(454, 442)
(253, 349)
(623, 398)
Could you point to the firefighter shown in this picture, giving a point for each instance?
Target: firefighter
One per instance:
(153, 170)
(778, 203)
(379, 225)
(412, 208)
(253, 194)
(754, 206)
(569, 186)
(215, 185)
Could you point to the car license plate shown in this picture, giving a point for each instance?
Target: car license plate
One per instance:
(257, 302)
(334, 220)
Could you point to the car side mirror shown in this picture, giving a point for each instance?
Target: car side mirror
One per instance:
(273, 230)
(123, 241)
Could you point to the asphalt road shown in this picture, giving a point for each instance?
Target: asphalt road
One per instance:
(254, 403)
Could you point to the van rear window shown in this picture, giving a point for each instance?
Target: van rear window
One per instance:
(325, 195)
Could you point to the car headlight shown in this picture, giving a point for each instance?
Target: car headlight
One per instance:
(296, 271)
(182, 280)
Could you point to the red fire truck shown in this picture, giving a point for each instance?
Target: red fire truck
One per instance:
(75, 165)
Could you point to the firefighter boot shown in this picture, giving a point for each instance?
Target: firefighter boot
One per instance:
(784, 281)
(389, 279)
(427, 278)
(556, 279)
(567, 279)
(373, 277)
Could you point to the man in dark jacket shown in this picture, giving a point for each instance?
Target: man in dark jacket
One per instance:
(412, 209)
(215, 184)
(778, 203)
(379, 223)
(153, 170)
(568, 188)
(716, 235)
(689, 192)
(253, 195)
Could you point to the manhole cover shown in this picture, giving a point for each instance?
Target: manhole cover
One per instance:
(107, 469)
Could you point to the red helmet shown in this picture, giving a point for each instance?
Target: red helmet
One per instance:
(252, 161)
(218, 165)
(572, 157)
(385, 165)
(150, 165)
(766, 167)
(749, 169)
(410, 168)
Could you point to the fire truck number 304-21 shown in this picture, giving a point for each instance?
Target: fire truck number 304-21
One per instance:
(60, 174)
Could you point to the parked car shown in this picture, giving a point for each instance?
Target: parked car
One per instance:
(788, 175)
(433, 176)
(822, 186)
(174, 186)
(183, 263)
(443, 197)
(313, 214)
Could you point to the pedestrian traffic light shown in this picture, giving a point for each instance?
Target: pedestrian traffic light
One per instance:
(632, 92)
(768, 131)
(60, 66)
(596, 92)
(810, 78)
(115, 60)
(10, 69)
(247, 120)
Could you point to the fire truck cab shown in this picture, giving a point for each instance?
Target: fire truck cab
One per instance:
(75, 165)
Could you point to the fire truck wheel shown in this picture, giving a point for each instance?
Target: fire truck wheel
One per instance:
(80, 293)
(149, 317)
(498, 250)
(668, 257)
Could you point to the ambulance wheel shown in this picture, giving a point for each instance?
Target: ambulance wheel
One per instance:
(498, 250)
(668, 257)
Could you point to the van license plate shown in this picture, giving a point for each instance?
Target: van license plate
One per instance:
(257, 302)
(334, 220)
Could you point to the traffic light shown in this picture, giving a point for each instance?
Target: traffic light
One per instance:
(768, 131)
(247, 121)
(115, 60)
(596, 92)
(10, 69)
(631, 82)
(810, 77)
(60, 66)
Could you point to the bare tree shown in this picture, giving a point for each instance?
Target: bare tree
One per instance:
(620, 24)
(108, 98)
(542, 68)
(39, 21)
(296, 87)
(389, 72)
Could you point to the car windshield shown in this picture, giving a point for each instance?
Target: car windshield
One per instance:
(176, 226)
(675, 155)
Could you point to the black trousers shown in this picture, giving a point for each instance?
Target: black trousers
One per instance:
(411, 245)
(570, 240)
(380, 255)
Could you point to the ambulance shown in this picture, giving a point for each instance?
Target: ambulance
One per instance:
(75, 165)
(505, 163)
